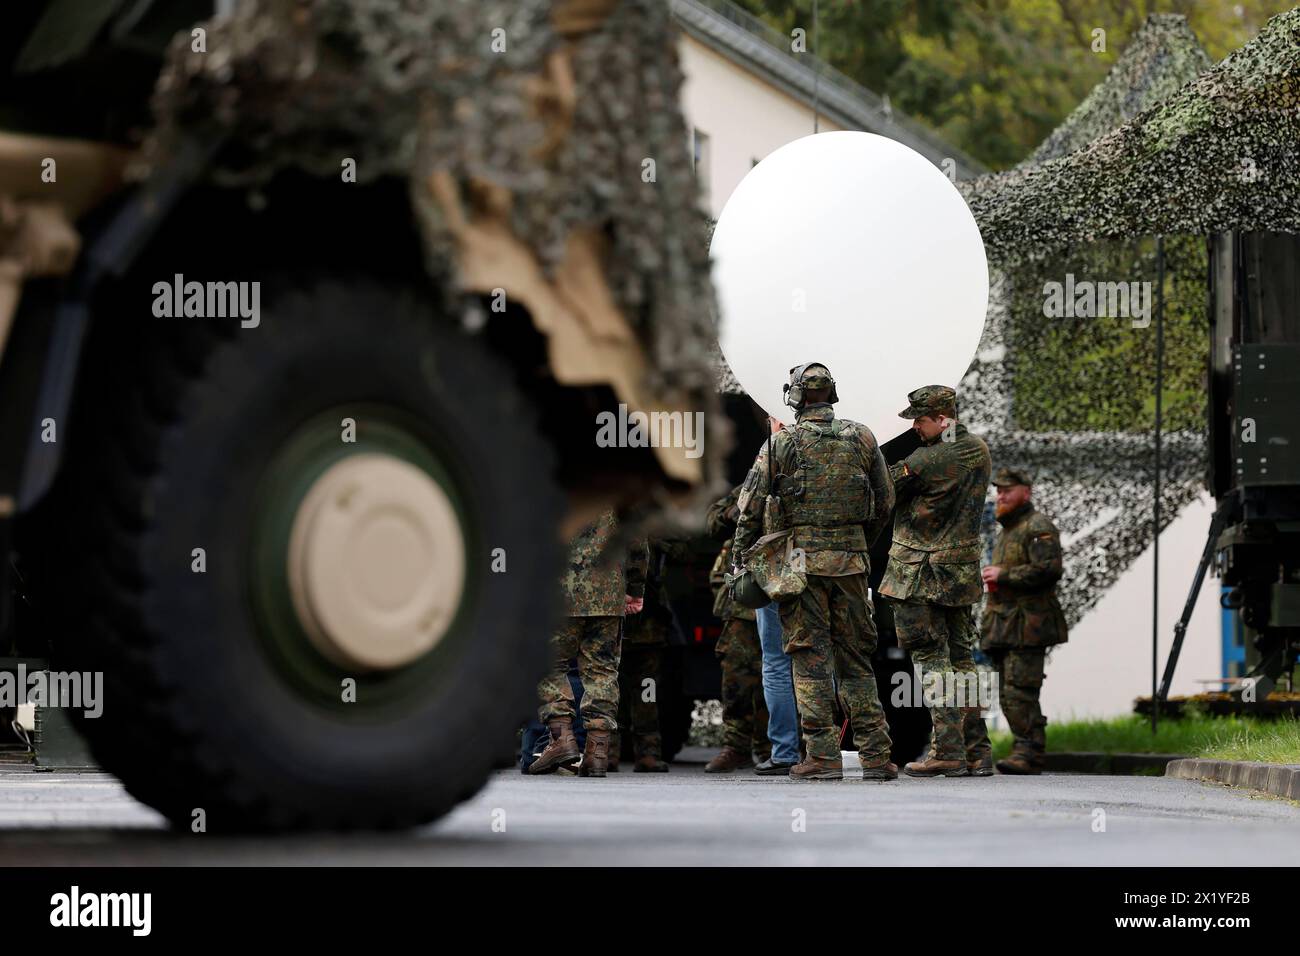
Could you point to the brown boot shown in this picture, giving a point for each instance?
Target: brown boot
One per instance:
(649, 763)
(980, 766)
(562, 751)
(595, 757)
(1021, 763)
(933, 767)
(882, 771)
(818, 768)
(727, 760)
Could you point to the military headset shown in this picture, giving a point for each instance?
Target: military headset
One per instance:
(794, 390)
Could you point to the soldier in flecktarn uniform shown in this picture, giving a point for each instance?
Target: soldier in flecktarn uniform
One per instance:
(831, 491)
(1022, 617)
(744, 709)
(933, 577)
(645, 636)
(598, 589)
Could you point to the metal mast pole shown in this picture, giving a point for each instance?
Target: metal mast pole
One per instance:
(1155, 534)
(817, 73)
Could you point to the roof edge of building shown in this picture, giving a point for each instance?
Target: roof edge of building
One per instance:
(735, 34)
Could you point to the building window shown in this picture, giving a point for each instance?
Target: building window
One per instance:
(699, 152)
(700, 161)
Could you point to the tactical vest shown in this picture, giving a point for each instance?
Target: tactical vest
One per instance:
(829, 489)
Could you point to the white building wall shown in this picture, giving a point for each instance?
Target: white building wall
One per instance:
(744, 117)
(1107, 662)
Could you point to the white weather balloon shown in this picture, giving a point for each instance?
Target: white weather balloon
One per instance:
(853, 250)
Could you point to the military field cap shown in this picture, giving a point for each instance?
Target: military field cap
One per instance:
(929, 399)
(1006, 477)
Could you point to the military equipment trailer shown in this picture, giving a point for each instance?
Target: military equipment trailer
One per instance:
(307, 313)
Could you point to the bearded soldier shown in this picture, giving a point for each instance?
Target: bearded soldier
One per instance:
(1022, 617)
(933, 577)
(830, 490)
(598, 589)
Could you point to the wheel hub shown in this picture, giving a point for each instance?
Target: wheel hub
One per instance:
(376, 562)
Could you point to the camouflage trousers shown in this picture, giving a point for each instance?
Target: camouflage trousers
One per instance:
(594, 641)
(942, 641)
(1020, 679)
(830, 634)
(638, 679)
(744, 708)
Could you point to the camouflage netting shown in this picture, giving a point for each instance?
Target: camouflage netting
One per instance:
(406, 87)
(1160, 147)
(1219, 154)
(1160, 59)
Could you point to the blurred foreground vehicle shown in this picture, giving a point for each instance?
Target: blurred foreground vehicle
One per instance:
(307, 313)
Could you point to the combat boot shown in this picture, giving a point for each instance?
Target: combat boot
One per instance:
(1019, 762)
(980, 766)
(818, 768)
(562, 751)
(727, 760)
(881, 771)
(931, 766)
(649, 763)
(595, 757)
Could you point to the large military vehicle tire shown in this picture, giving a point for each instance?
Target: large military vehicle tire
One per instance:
(320, 563)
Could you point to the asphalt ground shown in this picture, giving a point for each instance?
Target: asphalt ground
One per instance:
(692, 818)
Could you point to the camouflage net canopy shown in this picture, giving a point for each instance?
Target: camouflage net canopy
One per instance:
(407, 87)
(1159, 60)
(1219, 154)
(1163, 146)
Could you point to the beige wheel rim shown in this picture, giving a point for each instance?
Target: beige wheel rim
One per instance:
(376, 562)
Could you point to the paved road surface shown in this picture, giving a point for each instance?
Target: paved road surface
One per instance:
(688, 817)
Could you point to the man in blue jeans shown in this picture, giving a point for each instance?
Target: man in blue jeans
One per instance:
(778, 690)
(778, 686)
